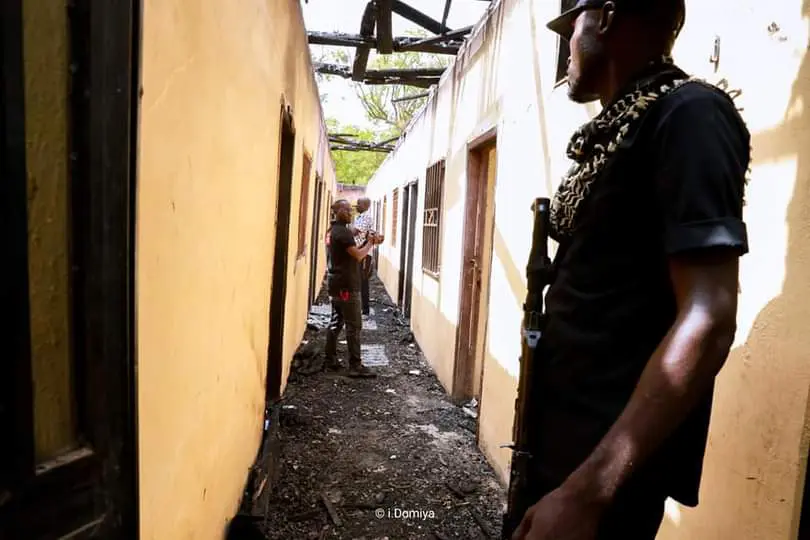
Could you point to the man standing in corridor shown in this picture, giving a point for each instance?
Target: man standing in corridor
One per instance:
(641, 315)
(343, 285)
(362, 226)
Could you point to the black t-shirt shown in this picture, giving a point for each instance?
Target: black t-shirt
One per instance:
(343, 270)
(675, 186)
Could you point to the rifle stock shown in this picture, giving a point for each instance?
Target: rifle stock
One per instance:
(538, 274)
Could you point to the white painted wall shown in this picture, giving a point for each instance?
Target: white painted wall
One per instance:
(760, 432)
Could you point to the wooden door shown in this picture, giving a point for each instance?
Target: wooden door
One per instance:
(67, 378)
(477, 254)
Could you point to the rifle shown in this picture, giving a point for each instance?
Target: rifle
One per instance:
(539, 275)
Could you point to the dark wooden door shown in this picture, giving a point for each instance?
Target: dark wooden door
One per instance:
(67, 378)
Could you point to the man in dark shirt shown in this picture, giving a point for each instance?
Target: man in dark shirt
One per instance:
(343, 285)
(642, 312)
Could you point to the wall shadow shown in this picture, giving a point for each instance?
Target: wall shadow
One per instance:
(759, 395)
(782, 324)
(514, 275)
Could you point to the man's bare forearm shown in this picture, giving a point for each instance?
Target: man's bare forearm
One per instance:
(678, 375)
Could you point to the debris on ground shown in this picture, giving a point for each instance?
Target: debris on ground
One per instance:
(367, 459)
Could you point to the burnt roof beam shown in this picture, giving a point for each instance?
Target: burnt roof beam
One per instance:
(339, 39)
(446, 12)
(333, 69)
(385, 36)
(421, 77)
(450, 47)
(400, 44)
(335, 138)
(436, 40)
(351, 148)
(405, 72)
(416, 16)
(419, 82)
(367, 31)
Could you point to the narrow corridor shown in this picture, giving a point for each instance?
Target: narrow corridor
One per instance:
(395, 446)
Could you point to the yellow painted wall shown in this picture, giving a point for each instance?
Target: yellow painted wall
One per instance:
(214, 76)
(760, 430)
(45, 34)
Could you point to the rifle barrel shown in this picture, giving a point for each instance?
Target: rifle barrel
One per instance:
(538, 274)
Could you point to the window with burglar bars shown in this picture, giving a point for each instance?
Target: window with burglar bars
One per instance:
(432, 221)
(394, 216)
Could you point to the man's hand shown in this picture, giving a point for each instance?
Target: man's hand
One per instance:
(375, 238)
(561, 515)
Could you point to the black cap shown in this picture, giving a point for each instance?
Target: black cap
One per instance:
(564, 24)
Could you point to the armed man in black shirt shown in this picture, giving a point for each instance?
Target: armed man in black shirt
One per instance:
(641, 313)
(343, 282)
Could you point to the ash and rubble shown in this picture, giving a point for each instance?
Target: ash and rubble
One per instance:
(370, 459)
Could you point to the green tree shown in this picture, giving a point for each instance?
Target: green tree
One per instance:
(380, 101)
(354, 167)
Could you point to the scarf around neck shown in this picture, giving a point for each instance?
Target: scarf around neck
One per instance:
(593, 145)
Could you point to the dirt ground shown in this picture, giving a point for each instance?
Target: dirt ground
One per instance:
(385, 458)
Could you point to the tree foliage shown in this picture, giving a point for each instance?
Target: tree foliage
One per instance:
(379, 100)
(354, 167)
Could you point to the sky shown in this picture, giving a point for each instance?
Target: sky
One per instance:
(345, 15)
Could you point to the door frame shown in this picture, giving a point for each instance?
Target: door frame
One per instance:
(315, 241)
(413, 197)
(278, 291)
(470, 302)
(93, 489)
(403, 245)
(378, 226)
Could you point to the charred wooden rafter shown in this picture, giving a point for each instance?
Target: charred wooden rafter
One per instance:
(347, 136)
(352, 148)
(414, 15)
(334, 69)
(378, 13)
(421, 77)
(461, 32)
(449, 44)
(420, 82)
(446, 12)
(405, 72)
(450, 47)
(362, 52)
(349, 139)
(340, 39)
(385, 36)
(346, 144)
